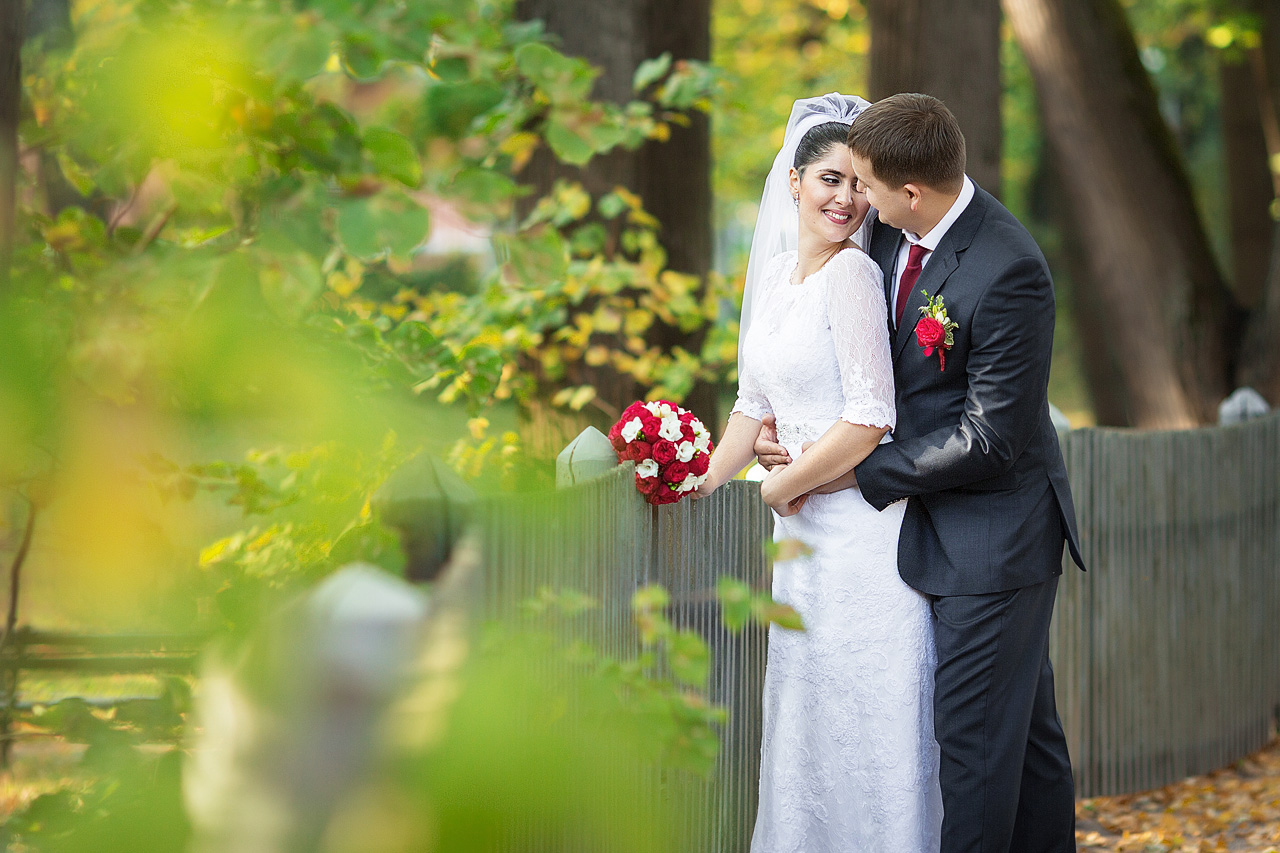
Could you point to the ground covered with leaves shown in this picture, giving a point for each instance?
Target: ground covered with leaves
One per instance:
(1233, 809)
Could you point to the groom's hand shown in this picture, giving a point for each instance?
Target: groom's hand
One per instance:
(768, 451)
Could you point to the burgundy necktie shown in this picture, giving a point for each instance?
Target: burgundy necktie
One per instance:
(915, 263)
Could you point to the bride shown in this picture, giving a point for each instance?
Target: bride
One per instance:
(848, 758)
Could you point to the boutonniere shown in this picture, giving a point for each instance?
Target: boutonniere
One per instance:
(934, 331)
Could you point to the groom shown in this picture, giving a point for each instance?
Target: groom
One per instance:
(976, 457)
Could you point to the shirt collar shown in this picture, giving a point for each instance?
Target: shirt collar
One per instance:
(931, 240)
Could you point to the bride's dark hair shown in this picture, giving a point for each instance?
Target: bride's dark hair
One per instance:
(817, 142)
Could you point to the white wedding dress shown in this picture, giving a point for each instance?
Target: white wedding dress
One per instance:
(848, 759)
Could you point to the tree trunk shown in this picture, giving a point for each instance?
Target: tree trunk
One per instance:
(1260, 362)
(1249, 187)
(1165, 314)
(951, 51)
(673, 178)
(11, 21)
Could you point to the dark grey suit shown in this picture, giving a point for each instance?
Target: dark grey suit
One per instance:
(988, 509)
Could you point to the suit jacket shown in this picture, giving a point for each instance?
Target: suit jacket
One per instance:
(975, 453)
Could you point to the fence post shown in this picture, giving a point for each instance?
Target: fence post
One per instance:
(587, 456)
(430, 506)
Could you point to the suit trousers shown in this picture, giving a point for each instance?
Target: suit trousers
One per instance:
(1005, 772)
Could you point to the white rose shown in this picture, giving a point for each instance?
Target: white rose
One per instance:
(631, 429)
(685, 451)
(670, 429)
(647, 468)
(665, 409)
(689, 483)
(702, 443)
(653, 409)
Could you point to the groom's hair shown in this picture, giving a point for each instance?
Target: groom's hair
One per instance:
(911, 139)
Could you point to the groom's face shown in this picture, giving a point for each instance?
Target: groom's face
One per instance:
(894, 204)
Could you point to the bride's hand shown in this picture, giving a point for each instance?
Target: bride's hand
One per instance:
(776, 503)
(792, 507)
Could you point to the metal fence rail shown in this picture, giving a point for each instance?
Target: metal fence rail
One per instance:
(1167, 651)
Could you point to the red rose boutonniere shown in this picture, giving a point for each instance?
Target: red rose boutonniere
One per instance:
(934, 331)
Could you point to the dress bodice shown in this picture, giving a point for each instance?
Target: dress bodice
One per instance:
(818, 351)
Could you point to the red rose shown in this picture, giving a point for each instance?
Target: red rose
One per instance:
(615, 436)
(930, 333)
(666, 495)
(676, 472)
(640, 451)
(649, 426)
(686, 431)
(686, 417)
(698, 464)
(664, 452)
(648, 485)
(635, 410)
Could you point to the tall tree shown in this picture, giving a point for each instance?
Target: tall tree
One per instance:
(671, 177)
(1167, 324)
(11, 27)
(1261, 369)
(951, 51)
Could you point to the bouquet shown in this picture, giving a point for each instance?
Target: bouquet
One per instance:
(671, 449)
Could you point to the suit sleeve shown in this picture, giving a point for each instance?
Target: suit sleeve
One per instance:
(1011, 344)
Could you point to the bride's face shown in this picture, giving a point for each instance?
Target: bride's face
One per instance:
(830, 205)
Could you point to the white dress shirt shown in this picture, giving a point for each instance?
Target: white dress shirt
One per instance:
(930, 241)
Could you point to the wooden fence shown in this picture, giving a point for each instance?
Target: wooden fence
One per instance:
(1167, 651)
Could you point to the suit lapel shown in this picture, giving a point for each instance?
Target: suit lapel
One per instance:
(942, 263)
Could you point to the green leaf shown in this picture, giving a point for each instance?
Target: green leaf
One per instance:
(451, 109)
(651, 71)
(75, 174)
(563, 79)
(650, 598)
(387, 222)
(567, 144)
(611, 205)
(393, 156)
(782, 615)
(735, 603)
(689, 658)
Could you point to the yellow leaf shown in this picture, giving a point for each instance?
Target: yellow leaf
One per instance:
(581, 397)
(214, 552)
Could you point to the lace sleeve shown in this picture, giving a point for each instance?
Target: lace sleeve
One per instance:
(752, 400)
(860, 328)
